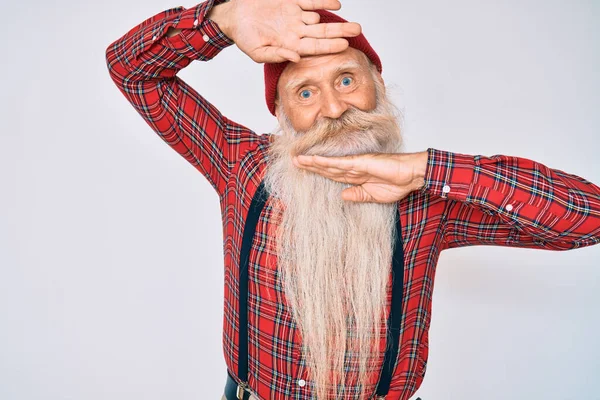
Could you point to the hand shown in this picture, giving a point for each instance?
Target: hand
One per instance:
(377, 177)
(273, 31)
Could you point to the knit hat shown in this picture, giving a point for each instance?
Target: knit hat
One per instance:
(274, 70)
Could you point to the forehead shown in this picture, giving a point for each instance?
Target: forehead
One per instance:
(317, 68)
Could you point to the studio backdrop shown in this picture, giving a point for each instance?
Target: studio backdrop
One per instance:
(111, 253)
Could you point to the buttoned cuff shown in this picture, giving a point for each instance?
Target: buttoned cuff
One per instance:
(449, 175)
(459, 177)
(491, 184)
(200, 38)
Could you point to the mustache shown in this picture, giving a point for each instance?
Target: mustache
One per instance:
(353, 123)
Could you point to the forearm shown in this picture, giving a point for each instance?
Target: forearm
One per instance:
(539, 201)
(417, 164)
(143, 64)
(420, 168)
(165, 43)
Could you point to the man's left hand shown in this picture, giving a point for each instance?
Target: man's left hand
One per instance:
(377, 177)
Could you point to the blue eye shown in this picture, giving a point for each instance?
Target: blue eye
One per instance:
(346, 81)
(305, 94)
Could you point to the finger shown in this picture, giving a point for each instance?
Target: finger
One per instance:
(288, 54)
(330, 172)
(341, 163)
(332, 30)
(319, 4)
(273, 54)
(309, 17)
(312, 46)
(336, 174)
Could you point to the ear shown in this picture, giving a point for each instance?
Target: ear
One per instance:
(277, 103)
(380, 79)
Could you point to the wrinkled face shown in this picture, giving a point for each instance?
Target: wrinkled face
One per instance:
(325, 87)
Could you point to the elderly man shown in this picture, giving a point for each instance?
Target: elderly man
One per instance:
(331, 233)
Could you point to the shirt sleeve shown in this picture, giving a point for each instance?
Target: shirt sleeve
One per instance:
(511, 201)
(144, 64)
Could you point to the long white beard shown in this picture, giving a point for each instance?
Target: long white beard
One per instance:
(334, 256)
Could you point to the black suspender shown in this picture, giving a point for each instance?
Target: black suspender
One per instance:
(391, 352)
(389, 361)
(258, 203)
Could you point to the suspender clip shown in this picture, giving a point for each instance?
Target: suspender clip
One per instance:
(240, 390)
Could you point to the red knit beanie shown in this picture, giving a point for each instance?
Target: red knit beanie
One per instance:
(273, 70)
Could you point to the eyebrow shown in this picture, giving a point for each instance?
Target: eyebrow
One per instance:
(294, 83)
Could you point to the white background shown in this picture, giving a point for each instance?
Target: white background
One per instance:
(111, 263)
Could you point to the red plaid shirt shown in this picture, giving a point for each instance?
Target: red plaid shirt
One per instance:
(467, 200)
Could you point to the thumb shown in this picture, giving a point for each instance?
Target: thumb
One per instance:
(355, 193)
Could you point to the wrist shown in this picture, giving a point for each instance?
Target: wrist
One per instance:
(420, 168)
(221, 14)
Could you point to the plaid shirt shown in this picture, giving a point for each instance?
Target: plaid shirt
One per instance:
(467, 200)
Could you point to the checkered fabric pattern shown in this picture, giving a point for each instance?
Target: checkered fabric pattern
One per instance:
(467, 200)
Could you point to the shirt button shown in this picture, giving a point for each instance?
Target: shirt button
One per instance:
(196, 22)
(509, 207)
(154, 37)
(446, 189)
(301, 382)
(205, 37)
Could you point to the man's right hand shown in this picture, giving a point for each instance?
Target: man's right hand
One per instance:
(273, 31)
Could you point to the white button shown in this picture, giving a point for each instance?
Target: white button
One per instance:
(196, 22)
(205, 37)
(446, 189)
(509, 207)
(301, 383)
(154, 37)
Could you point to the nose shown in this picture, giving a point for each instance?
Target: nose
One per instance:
(332, 106)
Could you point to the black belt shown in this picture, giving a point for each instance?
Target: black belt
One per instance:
(233, 391)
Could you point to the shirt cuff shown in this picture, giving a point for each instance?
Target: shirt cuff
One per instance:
(200, 38)
(449, 175)
(488, 183)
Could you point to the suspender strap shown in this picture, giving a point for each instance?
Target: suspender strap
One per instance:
(389, 361)
(391, 353)
(258, 203)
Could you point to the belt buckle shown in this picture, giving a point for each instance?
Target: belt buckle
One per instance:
(241, 388)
